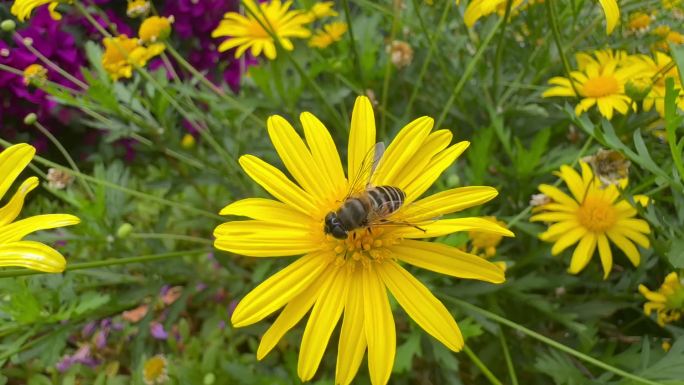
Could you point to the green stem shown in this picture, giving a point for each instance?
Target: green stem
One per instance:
(476, 360)
(49, 63)
(428, 58)
(557, 345)
(66, 155)
(174, 237)
(507, 357)
(500, 48)
(352, 39)
(467, 73)
(553, 19)
(388, 71)
(126, 190)
(108, 262)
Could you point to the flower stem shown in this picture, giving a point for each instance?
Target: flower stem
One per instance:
(550, 342)
(553, 20)
(126, 190)
(174, 237)
(355, 52)
(388, 70)
(476, 360)
(108, 262)
(66, 155)
(470, 68)
(500, 48)
(507, 357)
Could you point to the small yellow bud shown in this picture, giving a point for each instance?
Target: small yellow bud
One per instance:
(8, 25)
(188, 141)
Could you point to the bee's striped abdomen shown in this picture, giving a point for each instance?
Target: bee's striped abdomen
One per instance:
(386, 199)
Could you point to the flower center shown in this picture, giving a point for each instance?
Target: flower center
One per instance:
(596, 215)
(362, 246)
(601, 86)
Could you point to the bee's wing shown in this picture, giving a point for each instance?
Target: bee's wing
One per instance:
(361, 180)
(382, 217)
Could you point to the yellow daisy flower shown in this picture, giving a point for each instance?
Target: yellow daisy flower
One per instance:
(123, 53)
(137, 8)
(351, 275)
(155, 28)
(35, 74)
(329, 34)
(155, 370)
(22, 9)
(653, 71)
(477, 9)
(13, 250)
(599, 81)
(639, 22)
(485, 243)
(247, 32)
(594, 215)
(321, 10)
(668, 301)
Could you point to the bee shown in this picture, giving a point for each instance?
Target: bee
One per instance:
(371, 205)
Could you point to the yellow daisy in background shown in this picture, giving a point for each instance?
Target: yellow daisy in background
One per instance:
(351, 275)
(330, 33)
(600, 82)
(35, 74)
(247, 32)
(668, 301)
(485, 243)
(22, 9)
(13, 250)
(656, 71)
(155, 28)
(595, 215)
(321, 10)
(478, 9)
(122, 54)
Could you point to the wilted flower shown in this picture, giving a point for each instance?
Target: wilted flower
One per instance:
(401, 53)
(668, 301)
(539, 200)
(610, 166)
(329, 34)
(590, 217)
(58, 179)
(13, 250)
(247, 32)
(155, 28)
(351, 274)
(155, 370)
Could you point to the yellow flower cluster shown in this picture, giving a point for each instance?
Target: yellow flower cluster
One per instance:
(616, 81)
(667, 301)
(255, 31)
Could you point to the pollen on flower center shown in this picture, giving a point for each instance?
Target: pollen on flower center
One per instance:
(596, 215)
(363, 246)
(600, 86)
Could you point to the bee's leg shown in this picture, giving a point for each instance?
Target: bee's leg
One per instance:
(419, 228)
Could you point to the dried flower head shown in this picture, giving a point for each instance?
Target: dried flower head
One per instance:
(401, 53)
(610, 166)
(58, 179)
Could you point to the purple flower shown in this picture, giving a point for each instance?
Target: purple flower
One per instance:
(157, 331)
(82, 356)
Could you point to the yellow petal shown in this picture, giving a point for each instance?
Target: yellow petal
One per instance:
(421, 305)
(574, 182)
(297, 158)
(267, 210)
(13, 160)
(19, 229)
(446, 202)
(361, 136)
(447, 260)
(557, 230)
(557, 195)
(324, 316)
(379, 326)
(324, 151)
(264, 239)
(277, 184)
(637, 225)
(434, 169)
(433, 145)
(626, 246)
(352, 343)
(638, 238)
(279, 289)
(612, 12)
(448, 226)
(293, 312)
(10, 211)
(401, 150)
(553, 217)
(583, 253)
(568, 239)
(652, 295)
(605, 254)
(32, 255)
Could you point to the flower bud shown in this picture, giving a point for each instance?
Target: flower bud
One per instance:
(637, 89)
(30, 119)
(8, 25)
(124, 230)
(155, 28)
(188, 141)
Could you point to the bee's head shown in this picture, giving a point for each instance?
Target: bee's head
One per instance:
(333, 226)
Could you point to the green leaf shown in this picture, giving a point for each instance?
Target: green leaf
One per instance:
(406, 352)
